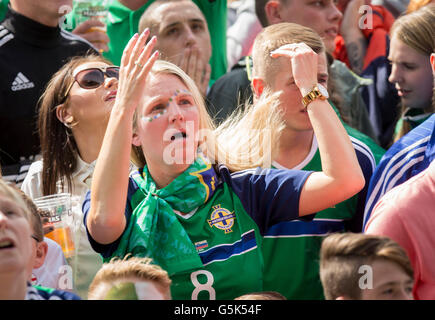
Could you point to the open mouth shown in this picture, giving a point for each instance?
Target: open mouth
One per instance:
(6, 244)
(178, 135)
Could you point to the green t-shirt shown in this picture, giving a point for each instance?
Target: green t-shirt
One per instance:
(215, 242)
(213, 251)
(291, 249)
(124, 23)
(217, 279)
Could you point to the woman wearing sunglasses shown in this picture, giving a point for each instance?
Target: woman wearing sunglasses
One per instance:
(183, 207)
(73, 115)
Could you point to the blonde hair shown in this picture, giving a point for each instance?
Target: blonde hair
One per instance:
(118, 271)
(275, 36)
(416, 30)
(416, 4)
(250, 138)
(205, 122)
(342, 254)
(263, 295)
(228, 143)
(35, 217)
(15, 195)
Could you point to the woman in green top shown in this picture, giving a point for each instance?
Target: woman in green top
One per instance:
(183, 204)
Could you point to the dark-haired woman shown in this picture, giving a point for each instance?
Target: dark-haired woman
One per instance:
(73, 115)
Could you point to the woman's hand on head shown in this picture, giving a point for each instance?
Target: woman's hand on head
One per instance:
(303, 64)
(136, 63)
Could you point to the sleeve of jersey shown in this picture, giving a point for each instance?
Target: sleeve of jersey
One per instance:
(367, 163)
(404, 159)
(106, 250)
(53, 294)
(269, 196)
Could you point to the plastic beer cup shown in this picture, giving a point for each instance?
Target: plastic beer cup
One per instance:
(91, 9)
(58, 209)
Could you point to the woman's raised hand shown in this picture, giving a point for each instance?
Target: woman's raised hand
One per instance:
(136, 63)
(303, 64)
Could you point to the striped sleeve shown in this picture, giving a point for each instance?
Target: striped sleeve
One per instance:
(5, 35)
(406, 158)
(107, 250)
(367, 162)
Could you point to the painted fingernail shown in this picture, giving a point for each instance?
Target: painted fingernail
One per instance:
(145, 33)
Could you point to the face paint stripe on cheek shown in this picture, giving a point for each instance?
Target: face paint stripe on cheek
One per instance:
(149, 119)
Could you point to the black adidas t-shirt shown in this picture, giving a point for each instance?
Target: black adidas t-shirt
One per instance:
(30, 53)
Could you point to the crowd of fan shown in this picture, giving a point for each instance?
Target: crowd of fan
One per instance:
(289, 139)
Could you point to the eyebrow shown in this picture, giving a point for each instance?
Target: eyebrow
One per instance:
(179, 22)
(154, 100)
(395, 283)
(161, 98)
(402, 61)
(183, 94)
(11, 205)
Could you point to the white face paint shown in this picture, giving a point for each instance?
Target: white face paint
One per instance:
(148, 291)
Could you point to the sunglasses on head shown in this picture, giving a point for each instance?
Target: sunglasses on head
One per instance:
(92, 78)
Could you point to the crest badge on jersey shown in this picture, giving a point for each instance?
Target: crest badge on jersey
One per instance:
(222, 218)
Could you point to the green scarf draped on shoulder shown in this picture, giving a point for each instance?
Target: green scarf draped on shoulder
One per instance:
(154, 229)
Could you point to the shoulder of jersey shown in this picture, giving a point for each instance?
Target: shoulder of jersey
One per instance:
(72, 37)
(5, 36)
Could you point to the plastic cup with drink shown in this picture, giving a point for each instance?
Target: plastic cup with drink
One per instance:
(58, 209)
(91, 9)
(96, 11)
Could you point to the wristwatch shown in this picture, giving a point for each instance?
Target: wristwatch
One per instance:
(318, 92)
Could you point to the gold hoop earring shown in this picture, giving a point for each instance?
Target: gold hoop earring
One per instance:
(70, 124)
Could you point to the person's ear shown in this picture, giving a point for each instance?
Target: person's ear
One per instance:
(432, 62)
(64, 115)
(257, 86)
(41, 253)
(135, 140)
(273, 11)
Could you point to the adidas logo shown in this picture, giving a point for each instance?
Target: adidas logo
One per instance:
(21, 83)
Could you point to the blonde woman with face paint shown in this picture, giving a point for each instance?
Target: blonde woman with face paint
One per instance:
(192, 214)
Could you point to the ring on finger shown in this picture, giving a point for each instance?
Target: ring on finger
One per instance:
(138, 64)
